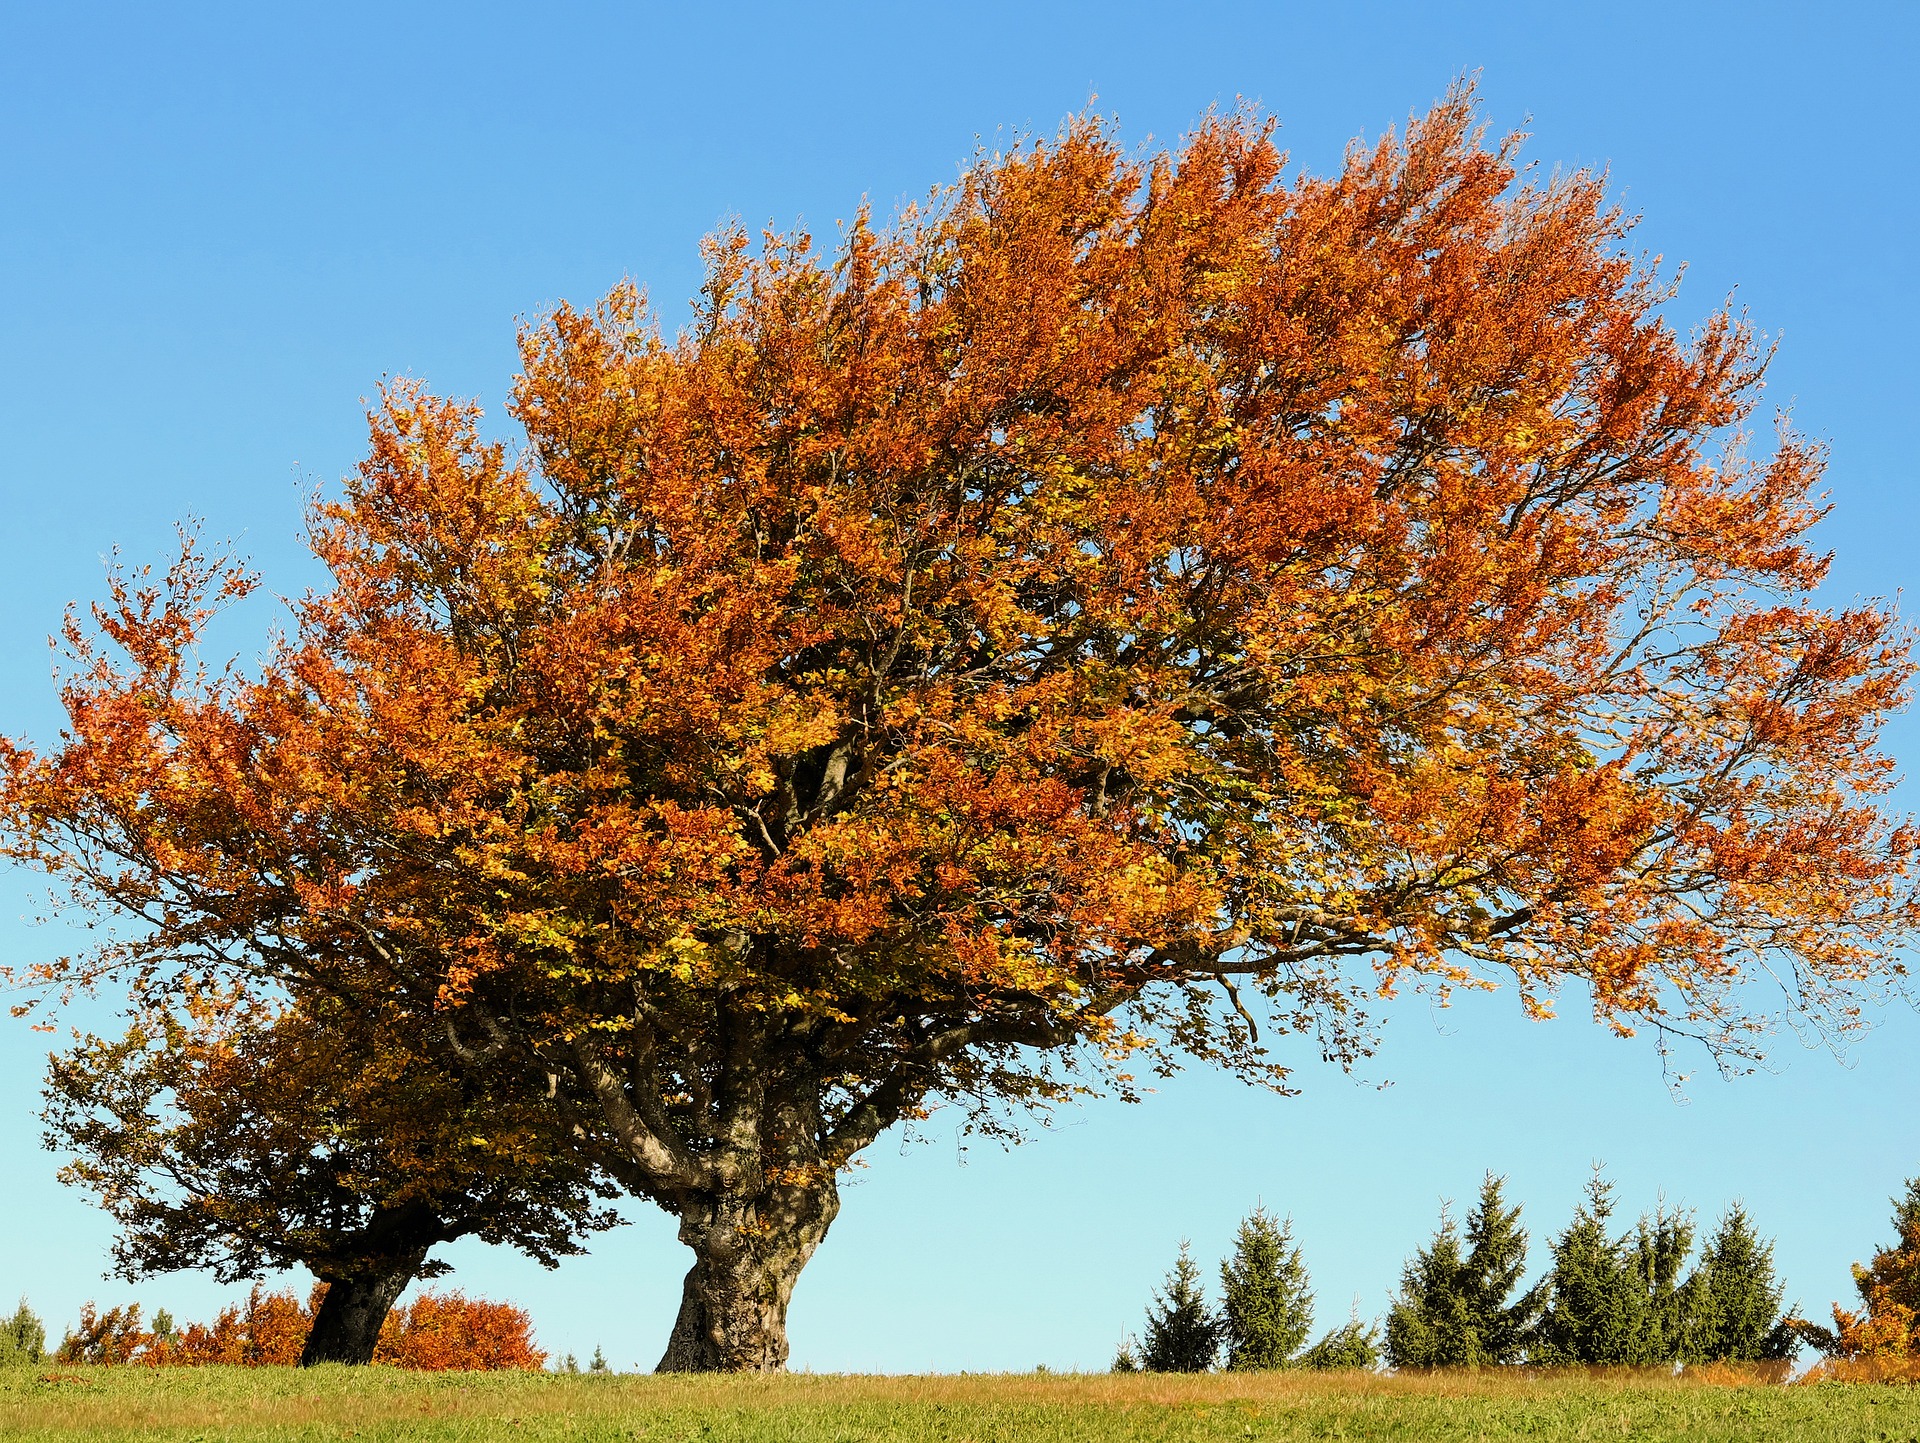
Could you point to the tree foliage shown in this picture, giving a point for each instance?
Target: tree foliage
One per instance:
(23, 1337)
(1266, 1298)
(1615, 1299)
(1455, 1308)
(1130, 608)
(1352, 1345)
(243, 1138)
(435, 1332)
(1183, 1333)
(1734, 1298)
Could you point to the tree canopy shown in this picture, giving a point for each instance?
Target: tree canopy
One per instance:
(241, 1138)
(1131, 607)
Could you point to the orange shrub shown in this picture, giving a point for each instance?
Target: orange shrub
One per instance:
(441, 1332)
(436, 1332)
(114, 1336)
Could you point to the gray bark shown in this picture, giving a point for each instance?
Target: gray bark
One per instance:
(747, 1257)
(347, 1327)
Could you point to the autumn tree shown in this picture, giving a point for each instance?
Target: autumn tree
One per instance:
(1129, 610)
(242, 1139)
(1887, 1326)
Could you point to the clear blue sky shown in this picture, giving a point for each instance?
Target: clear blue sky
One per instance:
(219, 228)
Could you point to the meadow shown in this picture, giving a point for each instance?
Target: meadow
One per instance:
(381, 1403)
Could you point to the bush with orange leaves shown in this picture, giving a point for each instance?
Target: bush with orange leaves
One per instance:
(444, 1332)
(1882, 1340)
(437, 1332)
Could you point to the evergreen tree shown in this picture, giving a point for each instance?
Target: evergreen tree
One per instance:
(1656, 1255)
(1266, 1298)
(1736, 1298)
(23, 1337)
(1452, 1309)
(1594, 1311)
(1615, 1300)
(1183, 1335)
(1496, 1261)
(1427, 1321)
(1351, 1345)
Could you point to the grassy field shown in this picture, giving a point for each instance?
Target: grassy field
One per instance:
(128, 1403)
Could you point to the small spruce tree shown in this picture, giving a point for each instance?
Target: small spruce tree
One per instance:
(1352, 1345)
(1594, 1310)
(1616, 1300)
(1736, 1299)
(1266, 1299)
(1453, 1308)
(23, 1337)
(1428, 1323)
(1183, 1335)
(1657, 1253)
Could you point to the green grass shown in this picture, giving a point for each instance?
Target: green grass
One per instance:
(184, 1403)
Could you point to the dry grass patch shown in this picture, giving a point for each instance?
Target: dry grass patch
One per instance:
(379, 1403)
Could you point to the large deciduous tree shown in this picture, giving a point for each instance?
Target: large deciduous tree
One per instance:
(1129, 606)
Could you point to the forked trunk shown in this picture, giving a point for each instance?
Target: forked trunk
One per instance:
(747, 1258)
(347, 1327)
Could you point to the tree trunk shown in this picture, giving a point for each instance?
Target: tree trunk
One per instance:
(347, 1327)
(747, 1257)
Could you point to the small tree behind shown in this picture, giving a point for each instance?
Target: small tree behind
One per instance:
(1266, 1298)
(1735, 1297)
(1351, 1345)
(1183, 1335)
(1427, 1321)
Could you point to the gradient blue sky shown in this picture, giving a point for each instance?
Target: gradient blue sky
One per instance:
(219, 228)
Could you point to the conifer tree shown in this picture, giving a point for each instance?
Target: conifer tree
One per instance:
(1593, 1310)
(1736, 1297)
(23, 1337)
(1183, 1335)
(1453, 1308)
(1496, 1261)
(1656, 1254)
(1266, 1297)
(1427, 1321)
(1351, 1345)
(1615, 1300)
